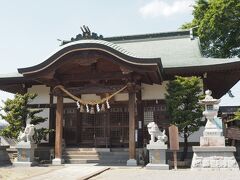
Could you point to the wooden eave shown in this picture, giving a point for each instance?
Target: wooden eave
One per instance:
(16, 84)
(219, 77)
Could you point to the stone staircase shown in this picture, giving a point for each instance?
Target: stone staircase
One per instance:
(93, 155)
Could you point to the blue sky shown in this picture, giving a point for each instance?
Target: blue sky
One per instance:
(29, 29)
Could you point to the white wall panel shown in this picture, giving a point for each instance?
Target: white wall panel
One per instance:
(42, 92)
(155, 91)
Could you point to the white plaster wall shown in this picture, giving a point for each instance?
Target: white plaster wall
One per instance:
(155, 91)
(42, 92)
(66, 100)
(121, 97)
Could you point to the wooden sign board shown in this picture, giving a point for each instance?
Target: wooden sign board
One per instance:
(173, 138)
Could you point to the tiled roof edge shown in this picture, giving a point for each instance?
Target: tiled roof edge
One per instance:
(148, 36)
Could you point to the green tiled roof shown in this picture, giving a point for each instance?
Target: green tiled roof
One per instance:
(176, 49)
(102, 42)
(174, 52)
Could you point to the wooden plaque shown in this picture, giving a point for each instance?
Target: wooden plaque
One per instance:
(173, 138)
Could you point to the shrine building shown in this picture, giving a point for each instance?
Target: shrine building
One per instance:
(101, 92)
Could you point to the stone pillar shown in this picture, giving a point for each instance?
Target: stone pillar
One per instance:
(58, 132)
(131, 108)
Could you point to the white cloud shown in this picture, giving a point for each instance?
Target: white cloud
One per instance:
(157, 8)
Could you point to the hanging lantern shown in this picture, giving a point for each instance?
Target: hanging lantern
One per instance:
(92, 110)
(82, 109)
(98, 109)
(103, 107)
(87, 108)
(78, 105)
(108, 106)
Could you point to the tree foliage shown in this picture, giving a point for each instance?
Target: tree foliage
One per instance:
(217, 23)
(237, 115)
(182, 98)
(16, 112)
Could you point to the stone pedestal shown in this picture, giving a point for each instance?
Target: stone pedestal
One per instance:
(4, 158)
(214, 158)
(131, 162)
(157, 156)
(25, 151)
(57, 161)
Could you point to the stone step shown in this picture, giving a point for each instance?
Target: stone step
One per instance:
(79, 153)
(80, 156)
(119, 149)
(103, 162)
(114, 153)
(80, 161)
(81, 149)
(118, 156)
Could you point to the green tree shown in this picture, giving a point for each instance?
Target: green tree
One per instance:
(184, 111)
(16, 112)
(217, 23)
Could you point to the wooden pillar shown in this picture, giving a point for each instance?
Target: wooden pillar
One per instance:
(140, 119)
(58, 132)
(132, 122)
(51, 117)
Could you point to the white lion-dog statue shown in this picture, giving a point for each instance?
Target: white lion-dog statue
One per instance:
(154, 131)
(27, 134)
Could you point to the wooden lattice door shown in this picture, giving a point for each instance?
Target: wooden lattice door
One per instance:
(119, 126)
(70, 121)
(94, 130)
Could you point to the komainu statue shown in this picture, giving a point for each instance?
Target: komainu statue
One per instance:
(27, 134)
(154, 131)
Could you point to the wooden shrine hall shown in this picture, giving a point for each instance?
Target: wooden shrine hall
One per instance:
(102, 92)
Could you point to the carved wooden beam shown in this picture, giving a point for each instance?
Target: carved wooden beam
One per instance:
(91, 76)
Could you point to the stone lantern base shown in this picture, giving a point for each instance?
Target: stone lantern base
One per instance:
(214, 158)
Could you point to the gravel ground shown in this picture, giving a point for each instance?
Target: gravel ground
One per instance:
(183, 174)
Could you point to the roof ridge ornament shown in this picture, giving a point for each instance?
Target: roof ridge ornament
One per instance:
(86, 34)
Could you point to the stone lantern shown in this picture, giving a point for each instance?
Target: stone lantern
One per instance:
(212, 154)
(212, 135)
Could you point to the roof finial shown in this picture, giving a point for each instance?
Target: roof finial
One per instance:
(86, 34)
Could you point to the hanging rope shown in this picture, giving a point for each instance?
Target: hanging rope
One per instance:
(89, 102)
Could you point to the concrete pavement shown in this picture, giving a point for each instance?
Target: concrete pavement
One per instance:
(72, 172)
(181, 174)
(95, 172)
